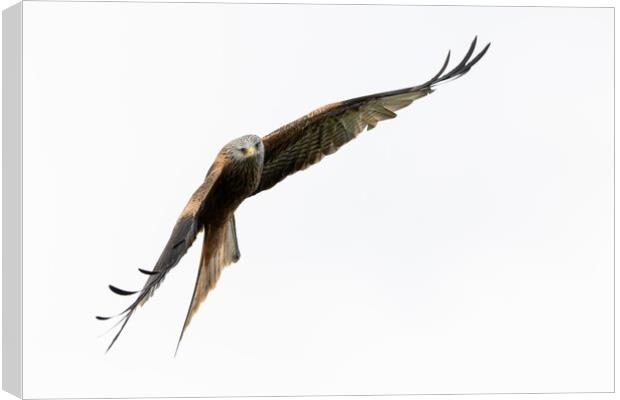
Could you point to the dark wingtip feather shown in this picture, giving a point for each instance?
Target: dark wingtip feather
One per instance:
(147, 272)
(468, 55)
(125, 320)
(473, 62)
(443, 68)
(465, 65)
(128, 312)
(457, 70)
(479, 56)
(102, 318)
(121, 292)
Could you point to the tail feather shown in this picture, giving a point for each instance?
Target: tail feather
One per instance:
(219, 249)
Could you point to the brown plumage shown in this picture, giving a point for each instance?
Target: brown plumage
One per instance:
(249, 165)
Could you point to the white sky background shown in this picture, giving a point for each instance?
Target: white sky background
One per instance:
(465, 246)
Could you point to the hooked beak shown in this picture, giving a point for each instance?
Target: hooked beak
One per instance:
(250, 151)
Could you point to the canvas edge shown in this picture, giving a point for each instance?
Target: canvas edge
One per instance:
(12, 200)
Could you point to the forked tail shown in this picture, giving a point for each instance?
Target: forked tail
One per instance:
(219, 249)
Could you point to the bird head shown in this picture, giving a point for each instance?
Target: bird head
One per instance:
(245, 148)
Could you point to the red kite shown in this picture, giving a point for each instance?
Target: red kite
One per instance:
(250, 164)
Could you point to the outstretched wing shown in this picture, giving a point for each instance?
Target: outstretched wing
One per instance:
(307, 140)
(183, 235)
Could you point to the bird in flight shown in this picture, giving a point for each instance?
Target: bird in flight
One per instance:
(250, 164)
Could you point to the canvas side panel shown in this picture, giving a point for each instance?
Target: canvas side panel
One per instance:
(12, 199)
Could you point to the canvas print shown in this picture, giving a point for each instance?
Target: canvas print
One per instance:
(464, 245)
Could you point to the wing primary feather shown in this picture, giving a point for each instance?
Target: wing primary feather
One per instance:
(443, 68)
(100, 318)
(178, 244)
(477, 58)
(122, 292)
(128, 312)
(147, 272)
(456, 73)
(110, 328)
(457, 70)
(125, 320)
(462, 68)
(468, 55)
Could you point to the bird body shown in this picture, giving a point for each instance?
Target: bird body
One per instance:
(248, 165)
